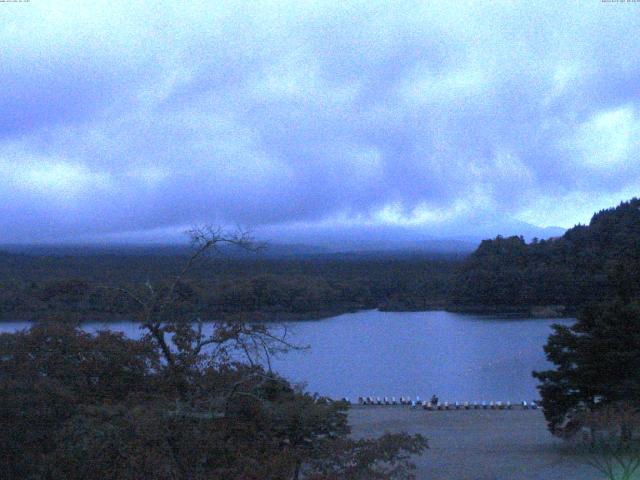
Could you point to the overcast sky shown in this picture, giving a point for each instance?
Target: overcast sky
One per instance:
(129, 116)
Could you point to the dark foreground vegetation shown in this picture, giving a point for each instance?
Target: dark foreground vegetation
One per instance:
(592, 393)
(76, 406)
(597, 363)
(179, 404)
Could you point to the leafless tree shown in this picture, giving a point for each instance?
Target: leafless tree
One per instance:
(185, 344)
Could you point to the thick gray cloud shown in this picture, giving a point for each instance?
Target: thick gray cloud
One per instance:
(122, 117)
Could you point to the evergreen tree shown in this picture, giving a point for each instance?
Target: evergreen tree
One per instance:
(597, 363)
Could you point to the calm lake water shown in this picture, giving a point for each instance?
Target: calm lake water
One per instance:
(458, 357)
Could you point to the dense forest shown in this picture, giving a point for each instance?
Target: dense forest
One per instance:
(568, 272)
(255, 287)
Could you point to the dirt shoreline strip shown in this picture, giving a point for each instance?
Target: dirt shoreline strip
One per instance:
(479, 444)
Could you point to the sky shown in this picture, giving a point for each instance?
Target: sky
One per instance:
(132, 119)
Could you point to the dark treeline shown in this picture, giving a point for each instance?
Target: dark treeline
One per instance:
(254, 287)
(570, 271)
(543, 277)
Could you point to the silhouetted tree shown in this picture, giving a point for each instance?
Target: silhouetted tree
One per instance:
(597, 362)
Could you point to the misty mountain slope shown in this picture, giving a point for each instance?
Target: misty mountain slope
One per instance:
(459, 236)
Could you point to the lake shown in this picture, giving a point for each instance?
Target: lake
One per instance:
(459, 357)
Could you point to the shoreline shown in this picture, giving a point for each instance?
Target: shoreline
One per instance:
(479, 444)
(531, 312)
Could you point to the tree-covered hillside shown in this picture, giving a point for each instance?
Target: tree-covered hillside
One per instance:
(572, 270)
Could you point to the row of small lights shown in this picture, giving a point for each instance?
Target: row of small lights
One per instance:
(443, 406)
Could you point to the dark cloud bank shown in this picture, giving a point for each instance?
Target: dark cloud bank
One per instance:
(310, 120)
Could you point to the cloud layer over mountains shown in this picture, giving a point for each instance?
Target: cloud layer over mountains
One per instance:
(132, 116)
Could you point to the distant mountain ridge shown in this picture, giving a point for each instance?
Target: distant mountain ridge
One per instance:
(454, 237)
(450, 236)
(315, 241)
